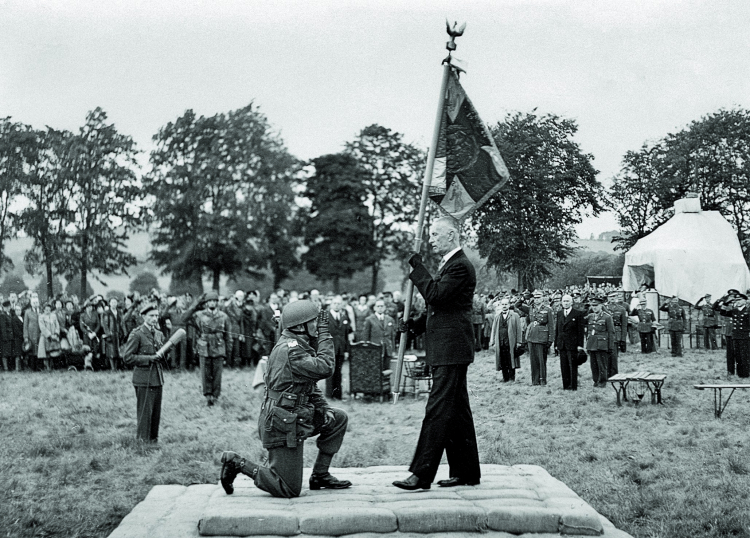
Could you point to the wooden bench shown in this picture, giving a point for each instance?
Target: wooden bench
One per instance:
(718, 405)
(654, 383)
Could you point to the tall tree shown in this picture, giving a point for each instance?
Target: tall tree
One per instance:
(104, 200)
(338, 226)
(530, 224)
(708, 157)
(46, 215)
(392, 170)
(18, 149)
(218, 184)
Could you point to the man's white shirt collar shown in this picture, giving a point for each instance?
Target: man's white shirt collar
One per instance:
(448, 256)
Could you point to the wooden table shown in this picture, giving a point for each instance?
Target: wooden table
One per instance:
(718, 405)
(654, 382)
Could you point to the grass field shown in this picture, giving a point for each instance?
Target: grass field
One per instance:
(70, 466)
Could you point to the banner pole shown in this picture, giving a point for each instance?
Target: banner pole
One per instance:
(426, 181)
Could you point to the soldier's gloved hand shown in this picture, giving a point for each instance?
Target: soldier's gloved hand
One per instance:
(415, 259)
(403, 326)
(323, 322)
(330, 417)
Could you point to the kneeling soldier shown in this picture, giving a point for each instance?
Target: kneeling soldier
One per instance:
(294, 409)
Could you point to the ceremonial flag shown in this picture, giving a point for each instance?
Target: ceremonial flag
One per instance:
(468, 166)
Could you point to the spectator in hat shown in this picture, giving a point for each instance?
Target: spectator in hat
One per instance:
(141, 352)
(49, 336)
(6, 336)
(31, 331)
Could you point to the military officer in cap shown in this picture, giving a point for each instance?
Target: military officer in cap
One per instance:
(646, 319)
(141, 353)
(710, 321)
(214, 340)
(740, 313)
(620, 320)
(540, 334)
(600, 341)
(675, 324)
(725, 307)
(294, 409)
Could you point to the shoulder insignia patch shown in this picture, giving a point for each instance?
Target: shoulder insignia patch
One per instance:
(292, 343)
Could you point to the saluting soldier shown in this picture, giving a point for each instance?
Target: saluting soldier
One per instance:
(214, 340)
(646, 319)
(725, 306)
(710, 321)
(600, 341)
(540, 335)
(140, 352)
(675, 324)
(294, 409)
(741, 334)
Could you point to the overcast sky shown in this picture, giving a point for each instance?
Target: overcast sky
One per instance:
(626, 71)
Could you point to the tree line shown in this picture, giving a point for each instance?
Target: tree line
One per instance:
(223, 196)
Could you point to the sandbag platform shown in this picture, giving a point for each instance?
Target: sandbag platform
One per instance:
(510, 501)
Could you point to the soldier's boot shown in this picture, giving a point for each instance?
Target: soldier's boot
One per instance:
(321, 478)
(232, 465)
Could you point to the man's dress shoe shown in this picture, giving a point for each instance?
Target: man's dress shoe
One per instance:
(454, 481)
(412, 483)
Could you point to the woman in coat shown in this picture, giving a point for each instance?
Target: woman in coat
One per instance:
(49, 337)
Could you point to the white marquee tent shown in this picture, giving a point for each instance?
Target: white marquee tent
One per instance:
(693, 253)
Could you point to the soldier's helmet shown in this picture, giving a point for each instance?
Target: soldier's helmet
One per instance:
(297, 313)
(211, 296)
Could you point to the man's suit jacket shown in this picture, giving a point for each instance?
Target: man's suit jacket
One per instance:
(31, 330)
(340, 330)
(571, 330)
(381, 332)
(447, 324)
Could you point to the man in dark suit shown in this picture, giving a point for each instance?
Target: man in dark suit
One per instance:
(448, 424)
(571, 327)
(340, 327)
(380, 328)
(140, 352)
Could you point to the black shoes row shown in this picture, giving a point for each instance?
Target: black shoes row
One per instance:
(414, 482)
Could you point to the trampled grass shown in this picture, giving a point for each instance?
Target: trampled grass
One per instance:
(70, 466)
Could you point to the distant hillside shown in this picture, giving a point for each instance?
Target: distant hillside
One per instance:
(595, 245)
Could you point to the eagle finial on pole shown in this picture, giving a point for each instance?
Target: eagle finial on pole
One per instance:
(454, 33)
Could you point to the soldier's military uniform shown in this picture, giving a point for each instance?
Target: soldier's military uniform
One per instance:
(675, 325)
(540, 335)
(148, 377)
(725, 307)
(620, 321)
(599, 343)
(294, 409)
(710, 323)
(741, 339)
(646, 319)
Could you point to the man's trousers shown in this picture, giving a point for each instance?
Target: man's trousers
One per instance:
(742, 356)
(601, 360)
(211, 369)
(730, 355)
(569, 368)
(504, 363)
(538, 362)
(281, 476)
(675, 341)
(148, 411)
(447, 426)
(709, 338)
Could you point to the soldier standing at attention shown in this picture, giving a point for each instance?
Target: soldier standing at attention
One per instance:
(140, 352)
(540, 335)
(620, 320)
(294, 409)
(600, 341)
(675, 324)
(646, 319)
(710, 322)
(213, 342)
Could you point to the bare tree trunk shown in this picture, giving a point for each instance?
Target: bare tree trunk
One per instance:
(375, 273)
(84, 265)
(199, 281)
(217, 276)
